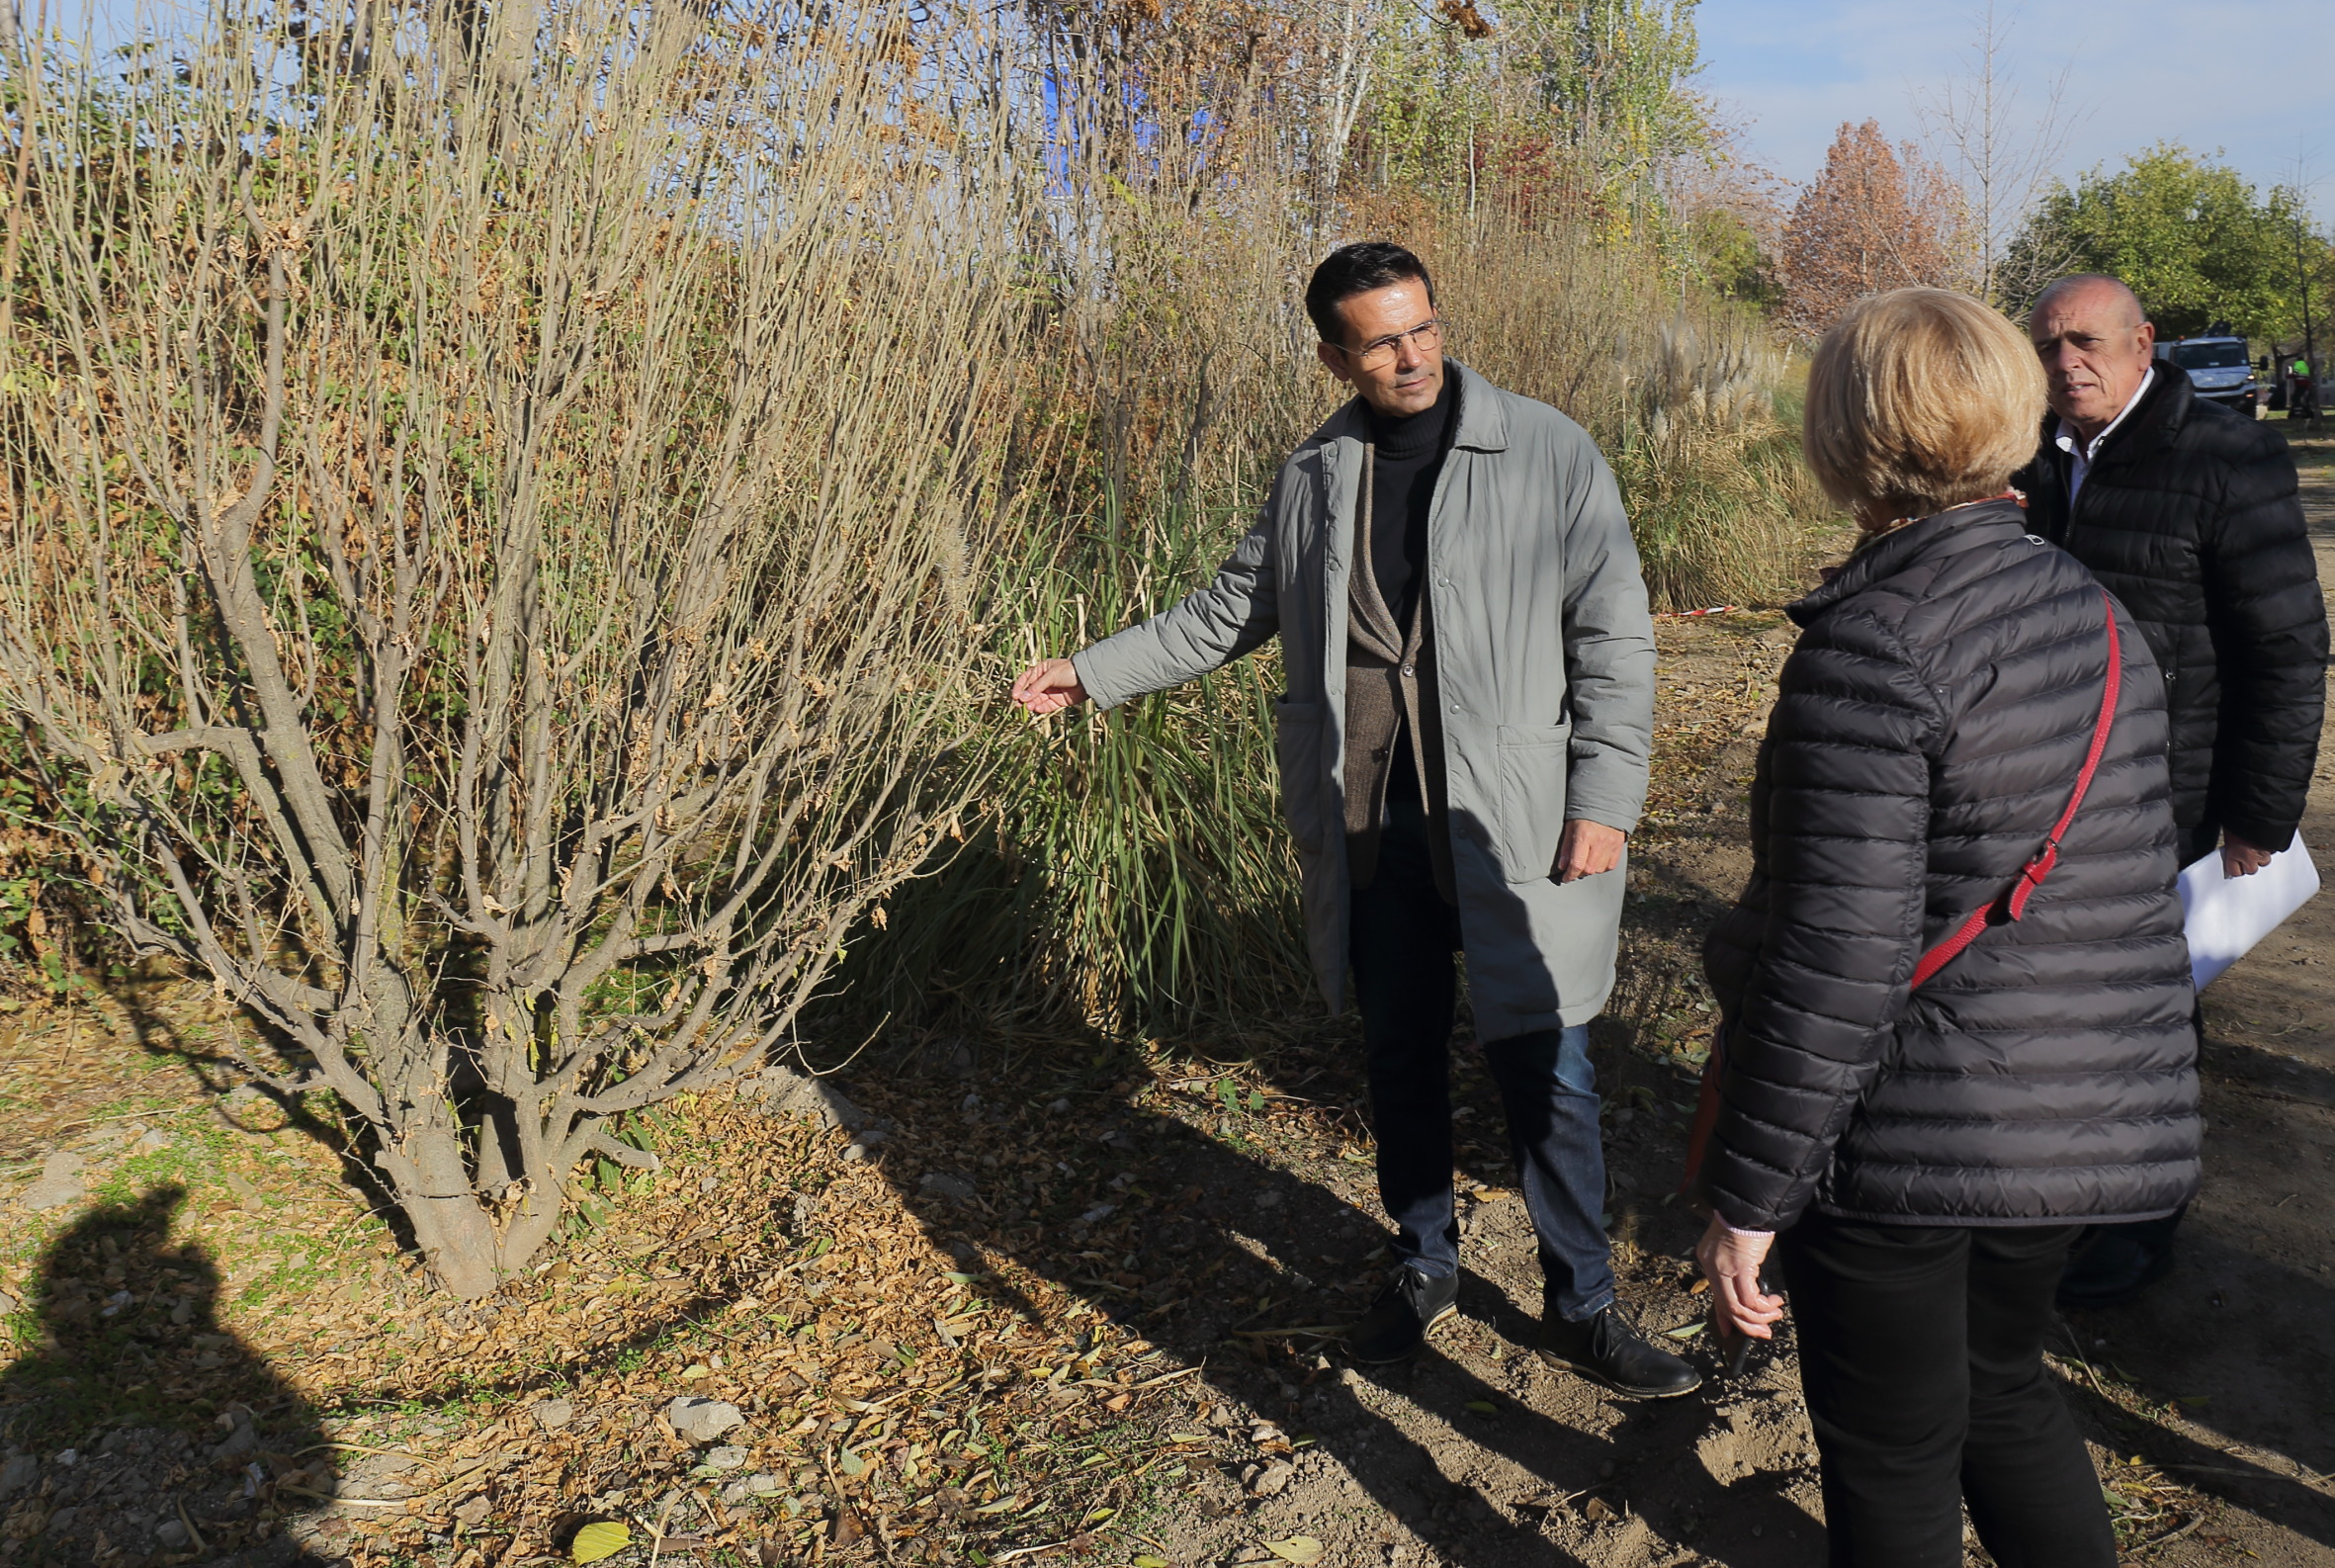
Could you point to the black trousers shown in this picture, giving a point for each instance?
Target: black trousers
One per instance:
(1922, 1356)
(1406, 986)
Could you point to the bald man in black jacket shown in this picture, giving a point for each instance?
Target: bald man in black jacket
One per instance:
(2189, 512)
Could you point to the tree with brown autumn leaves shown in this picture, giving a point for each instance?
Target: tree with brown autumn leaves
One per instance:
(1874, 218)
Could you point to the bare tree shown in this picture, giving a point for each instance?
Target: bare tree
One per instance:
(2003, 156)
(485, 555)
(1346, 53)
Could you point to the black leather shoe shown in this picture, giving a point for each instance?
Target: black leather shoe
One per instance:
(1402, 1317)
(1612, 1354)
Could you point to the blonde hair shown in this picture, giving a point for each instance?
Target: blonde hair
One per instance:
(1921, 400)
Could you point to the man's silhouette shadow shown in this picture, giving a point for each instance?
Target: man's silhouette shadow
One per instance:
(135, 1427)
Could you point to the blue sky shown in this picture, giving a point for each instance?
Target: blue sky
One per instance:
(2253, 77)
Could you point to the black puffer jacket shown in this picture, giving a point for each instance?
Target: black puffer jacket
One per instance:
(2189, 516)
(1929, 728)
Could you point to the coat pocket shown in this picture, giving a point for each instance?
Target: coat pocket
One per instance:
(1305, 782)
(1534, 760)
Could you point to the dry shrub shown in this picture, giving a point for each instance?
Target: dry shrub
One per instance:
(488, 548)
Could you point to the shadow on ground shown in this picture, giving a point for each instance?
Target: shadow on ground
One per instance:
(137, 1430)
(1206, 1246)
(1183, 1223)
(180, 1021)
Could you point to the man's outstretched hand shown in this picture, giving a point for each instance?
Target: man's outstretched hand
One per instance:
(1049, 686)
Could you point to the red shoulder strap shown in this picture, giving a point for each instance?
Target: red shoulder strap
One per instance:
(2012, 903)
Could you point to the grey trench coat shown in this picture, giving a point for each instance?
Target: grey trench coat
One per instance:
(1544, 658)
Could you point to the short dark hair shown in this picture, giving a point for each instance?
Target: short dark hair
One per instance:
(1358, 269)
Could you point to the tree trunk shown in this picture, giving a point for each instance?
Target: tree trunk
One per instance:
(528, 1230)
(455, 1231)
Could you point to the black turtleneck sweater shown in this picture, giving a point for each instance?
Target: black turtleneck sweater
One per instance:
(1410, 452)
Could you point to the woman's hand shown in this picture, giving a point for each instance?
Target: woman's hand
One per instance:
(1731, 1262)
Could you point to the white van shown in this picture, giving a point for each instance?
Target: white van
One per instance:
(2217, 368)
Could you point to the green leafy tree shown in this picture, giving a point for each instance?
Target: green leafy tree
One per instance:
(2189, 235)
(1614, 76)
(1435, 103)
(1729, 216)
(1591, 94)
(2308, 260)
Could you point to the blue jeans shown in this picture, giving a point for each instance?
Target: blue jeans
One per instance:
(1402, 941)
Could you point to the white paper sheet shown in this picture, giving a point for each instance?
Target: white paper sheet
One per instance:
(2227, 916)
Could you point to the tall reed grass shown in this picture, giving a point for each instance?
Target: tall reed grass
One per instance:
(1678, 385)
(1130, 872)
(1046, 272)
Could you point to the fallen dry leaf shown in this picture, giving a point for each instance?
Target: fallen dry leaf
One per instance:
(595, 1541)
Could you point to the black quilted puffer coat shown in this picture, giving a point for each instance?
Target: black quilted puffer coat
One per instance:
(2189, 516)
(1930, 727)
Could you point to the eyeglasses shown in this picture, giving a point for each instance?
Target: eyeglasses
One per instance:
(1380, 352)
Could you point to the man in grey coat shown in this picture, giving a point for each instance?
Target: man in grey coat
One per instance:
(1463, 752)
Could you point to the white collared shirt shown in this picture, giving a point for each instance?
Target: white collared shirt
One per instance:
(2080, 452)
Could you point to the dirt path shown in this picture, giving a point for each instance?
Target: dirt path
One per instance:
(2210, 1403)
(2235, 1341)
(1067, 1308)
